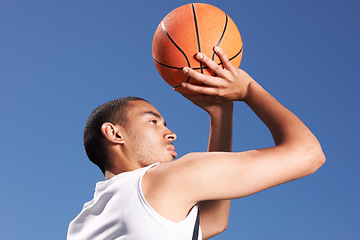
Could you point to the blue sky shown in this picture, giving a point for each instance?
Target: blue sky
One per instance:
(61, 59)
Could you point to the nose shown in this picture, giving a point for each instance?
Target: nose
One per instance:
(170, 136)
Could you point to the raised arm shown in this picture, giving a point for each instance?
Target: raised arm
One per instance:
(297, 152)
(198, 177)
(236, 85)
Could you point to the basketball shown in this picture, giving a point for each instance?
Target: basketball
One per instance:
(187, 30)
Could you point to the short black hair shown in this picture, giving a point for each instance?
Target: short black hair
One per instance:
(113, 112)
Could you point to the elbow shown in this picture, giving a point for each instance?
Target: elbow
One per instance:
(222, 228)
(215, 229)
(321, 159)
(219, 229)
(316, 158)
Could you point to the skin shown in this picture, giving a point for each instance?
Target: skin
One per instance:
(212, 178)
(144, 140)
(214, 214)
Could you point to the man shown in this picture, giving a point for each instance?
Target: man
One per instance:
(147, 195)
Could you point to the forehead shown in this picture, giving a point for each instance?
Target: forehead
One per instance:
(139, 108)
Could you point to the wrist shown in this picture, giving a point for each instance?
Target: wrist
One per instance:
(221, 109)
(251, 87)
(246, 82)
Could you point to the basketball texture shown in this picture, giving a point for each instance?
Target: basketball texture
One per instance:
(187, 30)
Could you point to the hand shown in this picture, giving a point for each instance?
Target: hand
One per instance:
(229, 84)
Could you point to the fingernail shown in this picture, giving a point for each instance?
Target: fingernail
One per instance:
(200, 56)
(185, 70)
(217, 49)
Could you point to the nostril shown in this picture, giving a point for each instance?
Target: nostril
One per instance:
(171, 136)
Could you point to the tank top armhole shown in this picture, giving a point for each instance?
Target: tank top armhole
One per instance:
(155, 215)
(188, 221)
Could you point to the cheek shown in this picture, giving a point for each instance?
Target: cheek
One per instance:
(146, 141)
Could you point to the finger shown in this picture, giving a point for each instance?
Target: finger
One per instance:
(219, 71)
(207, 90)
(180, 89)
(224, 58)
(205, 79)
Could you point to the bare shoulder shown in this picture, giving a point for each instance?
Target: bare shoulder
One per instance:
(172, 186)
(166, 186)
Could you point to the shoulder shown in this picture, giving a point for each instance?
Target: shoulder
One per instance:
(165, 187)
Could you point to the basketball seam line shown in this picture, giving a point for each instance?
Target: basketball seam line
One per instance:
(222, 35)
(177, 68)
(182, 52)
(197, 34)
(180, 68)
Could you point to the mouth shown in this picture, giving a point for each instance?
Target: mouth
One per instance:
(171, 149)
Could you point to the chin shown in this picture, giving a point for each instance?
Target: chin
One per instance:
(167, 160)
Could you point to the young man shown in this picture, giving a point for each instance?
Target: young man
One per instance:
(147, 195)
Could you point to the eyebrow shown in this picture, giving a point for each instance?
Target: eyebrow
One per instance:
(155, 114)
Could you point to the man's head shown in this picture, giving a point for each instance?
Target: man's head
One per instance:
(132, 129)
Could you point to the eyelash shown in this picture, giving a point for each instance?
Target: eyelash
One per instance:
(153, 121)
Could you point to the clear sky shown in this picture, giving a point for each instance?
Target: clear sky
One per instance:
(61, 59)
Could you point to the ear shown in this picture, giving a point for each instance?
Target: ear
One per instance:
(112, 133)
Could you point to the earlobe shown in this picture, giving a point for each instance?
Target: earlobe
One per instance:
(112, 133)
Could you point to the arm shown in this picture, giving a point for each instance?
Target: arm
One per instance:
(297, 152)
(214, 214)
(198, 177)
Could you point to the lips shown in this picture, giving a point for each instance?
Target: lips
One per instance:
(171, 149)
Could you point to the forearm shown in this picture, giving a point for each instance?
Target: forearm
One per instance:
(284, 126)
(220, 136)
(236, 85)
(215, 214)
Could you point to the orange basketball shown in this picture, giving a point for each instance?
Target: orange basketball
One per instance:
(187, 30)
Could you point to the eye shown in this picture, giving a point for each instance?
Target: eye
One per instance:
(154, 121)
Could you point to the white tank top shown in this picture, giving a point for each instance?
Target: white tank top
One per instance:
(119, 210)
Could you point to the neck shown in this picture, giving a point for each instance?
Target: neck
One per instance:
(108, 175)
(120, 167)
